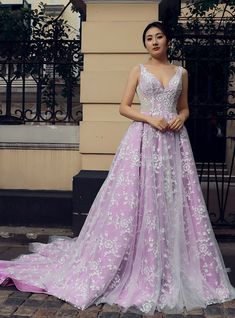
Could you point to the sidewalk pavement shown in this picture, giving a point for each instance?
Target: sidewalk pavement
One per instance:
(17, 304)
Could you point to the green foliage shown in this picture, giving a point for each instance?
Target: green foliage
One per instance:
(201, 7)
(198, 7)
(14, 25)
(34, 24)
(211, 9)
(35, 40)
(209, 18)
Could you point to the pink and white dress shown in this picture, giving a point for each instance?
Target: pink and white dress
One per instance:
(147, 242)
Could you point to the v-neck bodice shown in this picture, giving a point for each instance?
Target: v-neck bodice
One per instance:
(157, 79)
(156, 99)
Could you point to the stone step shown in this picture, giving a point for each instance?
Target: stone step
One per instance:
(47, 208)
(218, 177)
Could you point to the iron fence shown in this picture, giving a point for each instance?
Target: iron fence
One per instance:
(208, 53)
(40, 81)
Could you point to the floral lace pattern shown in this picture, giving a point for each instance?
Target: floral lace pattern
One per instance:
(147, 242)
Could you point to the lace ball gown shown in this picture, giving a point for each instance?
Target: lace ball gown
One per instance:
(147, 242)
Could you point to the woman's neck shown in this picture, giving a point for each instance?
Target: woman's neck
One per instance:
(155, 61)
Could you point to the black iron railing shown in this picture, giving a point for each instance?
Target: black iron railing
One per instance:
(209, 56)
(40, 81)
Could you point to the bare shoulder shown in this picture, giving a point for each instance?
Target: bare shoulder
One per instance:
(184, 71)
(135, 70)
(134, 74)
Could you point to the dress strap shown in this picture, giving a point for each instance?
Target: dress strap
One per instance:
(180, 71)
(140, 75)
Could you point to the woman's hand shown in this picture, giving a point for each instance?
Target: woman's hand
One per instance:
(176, 123)
(158, 122)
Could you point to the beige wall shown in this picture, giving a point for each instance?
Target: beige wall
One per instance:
(38, 169)
(112, 44)
(39, 156)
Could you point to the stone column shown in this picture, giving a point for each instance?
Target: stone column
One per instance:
(111, 44)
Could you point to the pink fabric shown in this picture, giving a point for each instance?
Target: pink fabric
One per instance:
(147, 243)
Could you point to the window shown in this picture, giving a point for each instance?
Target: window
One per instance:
(53, 10)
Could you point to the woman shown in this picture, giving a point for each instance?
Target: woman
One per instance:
(147, 243)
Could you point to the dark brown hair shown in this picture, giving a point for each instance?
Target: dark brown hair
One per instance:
(160, 26)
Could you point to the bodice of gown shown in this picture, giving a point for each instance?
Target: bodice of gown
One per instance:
(155, 99)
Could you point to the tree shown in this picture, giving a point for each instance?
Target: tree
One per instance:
(31, 41)
(211, 19)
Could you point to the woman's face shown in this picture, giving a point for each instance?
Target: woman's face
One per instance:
(156, 42)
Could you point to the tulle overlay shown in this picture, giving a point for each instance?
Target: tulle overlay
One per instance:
(147, 242)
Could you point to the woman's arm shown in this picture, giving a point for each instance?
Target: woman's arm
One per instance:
(182, 105)
(125, 108)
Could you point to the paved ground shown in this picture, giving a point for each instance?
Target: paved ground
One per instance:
(14, 303)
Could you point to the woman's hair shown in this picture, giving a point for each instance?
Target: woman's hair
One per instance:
(160, 26)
